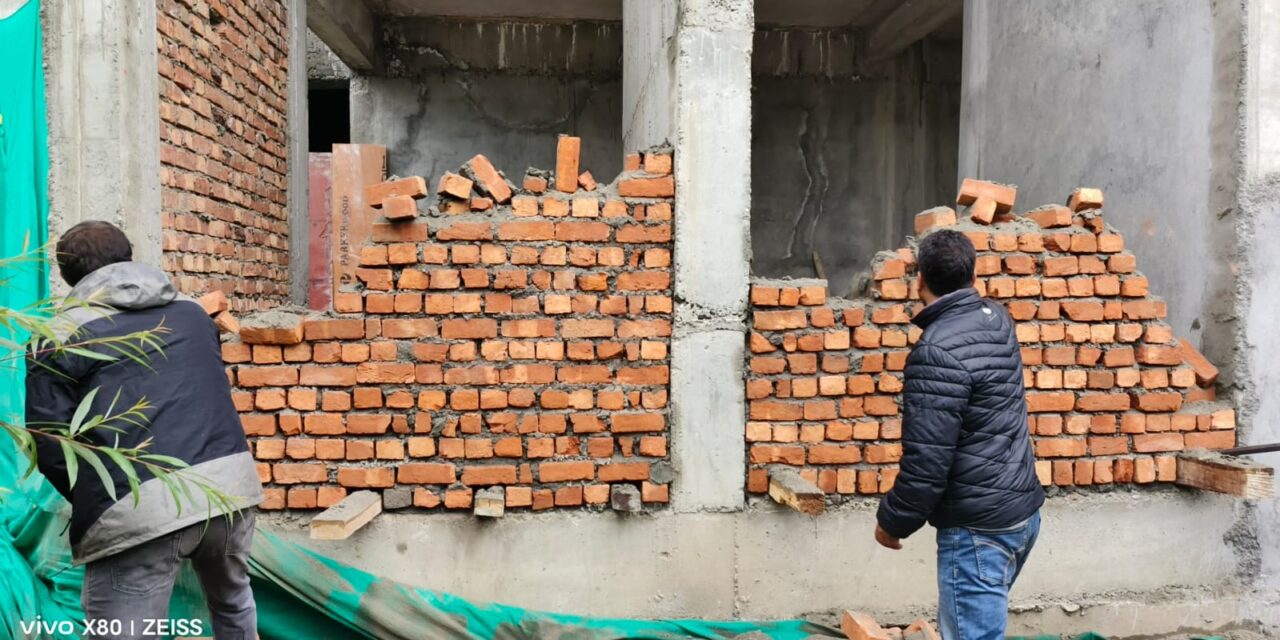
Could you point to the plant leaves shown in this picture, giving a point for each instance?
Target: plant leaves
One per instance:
(81, 411)
(91, 457)
(73, 463)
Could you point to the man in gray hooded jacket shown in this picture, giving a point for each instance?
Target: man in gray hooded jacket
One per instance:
(131, 552)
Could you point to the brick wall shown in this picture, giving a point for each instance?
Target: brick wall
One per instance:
(515, 341)
(222, 148)
(1109, 394)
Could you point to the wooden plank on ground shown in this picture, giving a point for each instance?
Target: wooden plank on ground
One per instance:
(345, 518)
(1212, 471)
(788, 488)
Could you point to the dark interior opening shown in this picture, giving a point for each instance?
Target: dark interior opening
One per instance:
(329, 115)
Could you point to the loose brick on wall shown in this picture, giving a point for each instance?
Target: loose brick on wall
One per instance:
(1110, 398)
(519, 341)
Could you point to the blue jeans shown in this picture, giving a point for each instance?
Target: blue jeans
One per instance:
(975, 571)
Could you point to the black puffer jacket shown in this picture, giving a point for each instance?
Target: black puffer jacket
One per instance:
(967, 458)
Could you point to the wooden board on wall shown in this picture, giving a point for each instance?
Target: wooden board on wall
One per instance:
(320, 212)
(355, 166)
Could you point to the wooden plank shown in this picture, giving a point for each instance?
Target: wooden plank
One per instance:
(788, 488)
(909, 24)
(1212, 471)
(320, 213)
(350, 30)
(355, 166)
(345, 518)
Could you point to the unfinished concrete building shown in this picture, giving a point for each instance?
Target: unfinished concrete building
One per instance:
(621, 388)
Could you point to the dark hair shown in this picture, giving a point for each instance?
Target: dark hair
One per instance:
(946, 260)
(89, 246)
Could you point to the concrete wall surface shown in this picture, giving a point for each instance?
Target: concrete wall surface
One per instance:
(507, 90)
(1138, 98)
(846, 156)
(766, 563)
(1258, 283)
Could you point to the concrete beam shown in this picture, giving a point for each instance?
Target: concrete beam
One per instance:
(104, 119)
(350, 29)
(712, 138)
(909, 24)
(768, 562)
(299, 160)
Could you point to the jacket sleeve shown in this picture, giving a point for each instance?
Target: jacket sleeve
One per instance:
(52, 398)
(935, 395)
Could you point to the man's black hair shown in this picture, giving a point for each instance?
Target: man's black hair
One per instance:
(946, 259)
(89, 246)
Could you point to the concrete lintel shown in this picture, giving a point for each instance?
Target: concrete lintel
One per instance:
(299, 172)
(1262, 100)
(104, 119)
(350, 29)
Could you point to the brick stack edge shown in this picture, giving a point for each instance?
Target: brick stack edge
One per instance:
(1109, 395)
(508, 335)
(223, 160)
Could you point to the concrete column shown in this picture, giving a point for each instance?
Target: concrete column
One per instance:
(299, 213)
(712, 138)
(104, 118)
(1258, 235)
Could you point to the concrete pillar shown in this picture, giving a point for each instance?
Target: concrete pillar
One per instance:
(1258, 235)
(104, 118)
(711, 132)
(299, 213)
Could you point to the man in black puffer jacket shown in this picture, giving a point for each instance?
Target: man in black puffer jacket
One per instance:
(967, 466)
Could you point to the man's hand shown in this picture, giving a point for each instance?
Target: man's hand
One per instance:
(887, 541)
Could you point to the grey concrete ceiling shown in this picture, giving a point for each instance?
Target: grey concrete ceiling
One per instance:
(802, 13)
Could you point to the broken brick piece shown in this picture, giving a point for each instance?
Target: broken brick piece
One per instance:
(935, 217)
(920, 630)
(490, 181)
(1050, 216)
(657, 163)
(400, 208)
(535, 183)
(452, 184)
(586, 181)
(568, 150)
(226, 323)
(481, 204)
(631, 162)
(1085, 198)
(857, 625)
(1206, 373)
(413, 186)
(272, 328)
(214, 302)
(983, 210)
(971, 190)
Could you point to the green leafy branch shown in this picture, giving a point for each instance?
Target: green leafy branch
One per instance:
(93, 438)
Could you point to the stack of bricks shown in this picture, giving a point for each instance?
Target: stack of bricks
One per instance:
(222, 149)
(1112, 394)
(502, 337)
